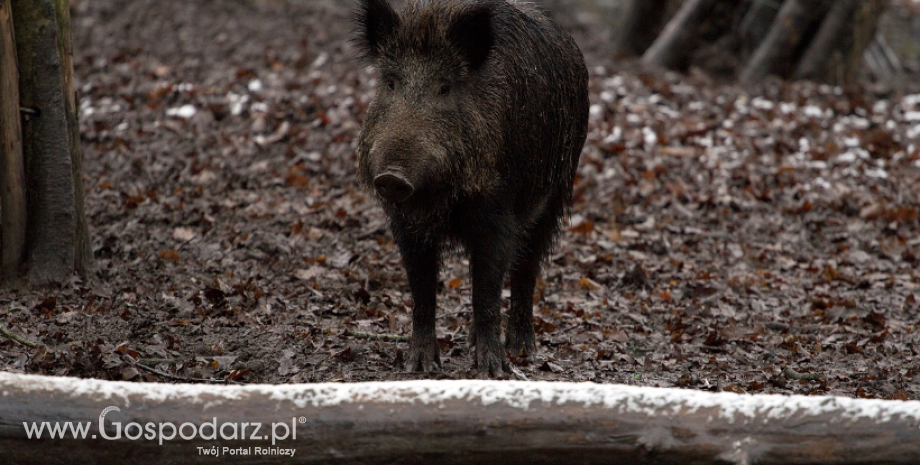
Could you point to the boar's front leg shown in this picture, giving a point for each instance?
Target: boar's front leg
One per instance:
(489, 262)
(421, 261)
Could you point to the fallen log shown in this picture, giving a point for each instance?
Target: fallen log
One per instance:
(444, 422)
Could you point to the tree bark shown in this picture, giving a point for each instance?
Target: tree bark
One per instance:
(756, 24)
(781, 48)
(824, 40)
(642, 22)
(682, 34)
(13, 218)
(55, 245)
(837, 50)
(452, 422)
(82, 252)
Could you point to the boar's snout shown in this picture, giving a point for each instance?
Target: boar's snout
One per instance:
(393, 186)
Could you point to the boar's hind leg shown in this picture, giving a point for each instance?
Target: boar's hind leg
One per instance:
(489, 262)
(422, 262)
(519, 335)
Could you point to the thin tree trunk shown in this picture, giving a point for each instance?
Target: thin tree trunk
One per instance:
(641, 24)
(12, 172)
(82, 252)
(780, 49)
(837, 50)
(683, 33)
(46, 144)
(674, 44)
(756, 24)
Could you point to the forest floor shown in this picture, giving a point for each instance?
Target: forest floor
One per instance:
(760, 240)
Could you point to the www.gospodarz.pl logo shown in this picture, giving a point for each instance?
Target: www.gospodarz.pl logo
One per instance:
(164, 431)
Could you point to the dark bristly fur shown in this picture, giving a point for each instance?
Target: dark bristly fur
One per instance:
(473, 139)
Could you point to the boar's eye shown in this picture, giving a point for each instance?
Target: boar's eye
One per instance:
(391, 83)
(444, 89)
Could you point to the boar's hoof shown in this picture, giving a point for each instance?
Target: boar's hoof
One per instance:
(520, 343)
(489, 360)
(393, 186)
(424, 357)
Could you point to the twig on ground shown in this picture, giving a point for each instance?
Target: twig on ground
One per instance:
(380, 336)
(182, 378)
(792, 374)
(15, 337)
(155, 361)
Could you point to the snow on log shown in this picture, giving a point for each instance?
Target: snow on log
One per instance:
(444, 422)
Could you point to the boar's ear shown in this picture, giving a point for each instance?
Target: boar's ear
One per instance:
(375, 21)
(471, 32)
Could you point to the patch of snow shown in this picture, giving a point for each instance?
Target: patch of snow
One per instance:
(237, 103)
(649, 137)
(259, 107)
(185, 111)
(320, 60)
(596, 111)
(615, 81)
(880, 106)
(846, 122)
(761, 103)
(911, 100)
(813, 112)
(804, 145)
(817, 164)
(913, 132)
(614, 136)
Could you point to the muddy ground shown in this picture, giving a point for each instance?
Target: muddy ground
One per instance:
(760, 240)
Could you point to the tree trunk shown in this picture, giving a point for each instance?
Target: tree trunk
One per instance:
(642, 22)
(57, 239)
(781, 48)
(12, 172)
(755, 25)
(683, 33)
(82, 251)
(837, 50)
(824, 40)
(446, 422)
